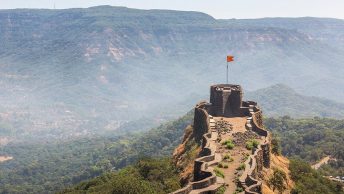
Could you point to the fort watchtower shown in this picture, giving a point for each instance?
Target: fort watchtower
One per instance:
(226, 100)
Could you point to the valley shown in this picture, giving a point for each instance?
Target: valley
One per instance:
(93, 95)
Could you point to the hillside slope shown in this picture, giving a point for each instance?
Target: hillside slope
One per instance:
(280, 100)
(114, 64)
(47, 168)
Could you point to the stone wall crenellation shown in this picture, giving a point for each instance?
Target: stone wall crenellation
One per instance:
(203, 177)
(226, 101)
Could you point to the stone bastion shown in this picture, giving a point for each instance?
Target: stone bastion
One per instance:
(226, 101)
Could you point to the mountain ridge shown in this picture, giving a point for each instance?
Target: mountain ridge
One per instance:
(120, 64)
(280, 100)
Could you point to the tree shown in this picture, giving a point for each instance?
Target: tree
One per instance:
(275, 146)
(277, 181)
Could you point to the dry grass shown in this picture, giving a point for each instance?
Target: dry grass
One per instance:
(281, 163)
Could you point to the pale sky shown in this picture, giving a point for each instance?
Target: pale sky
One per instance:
(223, 9)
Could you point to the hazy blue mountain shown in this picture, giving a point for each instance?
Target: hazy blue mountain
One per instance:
(281, 100)
(89, 69)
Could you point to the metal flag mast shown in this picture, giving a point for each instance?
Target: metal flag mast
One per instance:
(227, 74)
(230, 58)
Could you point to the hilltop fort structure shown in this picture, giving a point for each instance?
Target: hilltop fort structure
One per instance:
(235, 146)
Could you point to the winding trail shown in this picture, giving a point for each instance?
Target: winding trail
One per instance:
(323, 161)
(5, 158)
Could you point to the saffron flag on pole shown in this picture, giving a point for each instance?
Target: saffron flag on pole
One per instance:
(230, 58)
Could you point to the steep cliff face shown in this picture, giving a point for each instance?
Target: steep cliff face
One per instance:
(185, 154)
(281, 163)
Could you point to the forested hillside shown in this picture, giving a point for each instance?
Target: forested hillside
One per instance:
(147, 176)
(306, 139)
(38, 168)
(71, 161)
(311, 139)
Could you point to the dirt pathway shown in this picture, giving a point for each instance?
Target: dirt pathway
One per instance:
(237, 154)
(321, 162)
(5, 158)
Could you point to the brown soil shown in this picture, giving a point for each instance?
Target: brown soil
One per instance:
(239, 135)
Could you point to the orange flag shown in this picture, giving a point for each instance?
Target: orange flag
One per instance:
(230, 58)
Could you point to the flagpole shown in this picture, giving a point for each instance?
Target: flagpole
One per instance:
(227, 73)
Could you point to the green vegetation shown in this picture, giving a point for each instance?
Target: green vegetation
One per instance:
(250, 144)
(242, 166)
(277, 181)
(275, 146)
(229, 144)
(222, 165)
(238, 190)
(45, 59)
(246, 156)
(309, 181)
(219, 172)
(47, 168)
(311, 140)
(147, 176)
(221, 190)
(228, 158)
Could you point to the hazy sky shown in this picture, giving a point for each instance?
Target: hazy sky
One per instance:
(216, 8)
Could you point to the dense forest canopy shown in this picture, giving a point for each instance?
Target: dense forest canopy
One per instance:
(38, 168)
(311, 139)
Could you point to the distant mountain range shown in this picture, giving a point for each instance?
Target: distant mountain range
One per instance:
(281, 100)
(91, 69)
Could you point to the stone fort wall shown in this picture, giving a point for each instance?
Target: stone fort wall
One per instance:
(260, 157)
(203, 177)
(226, 101)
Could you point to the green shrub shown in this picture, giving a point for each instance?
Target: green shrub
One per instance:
(238, 190)
(255, 143)
(221, 190)
(250, 144)
(229, 144)
(222, 165)
(246, 156)
(226, 156)
(277, 181)
(241, 167)
(275, 146)
(219, 172)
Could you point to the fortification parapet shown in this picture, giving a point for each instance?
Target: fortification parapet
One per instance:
(226, 101)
